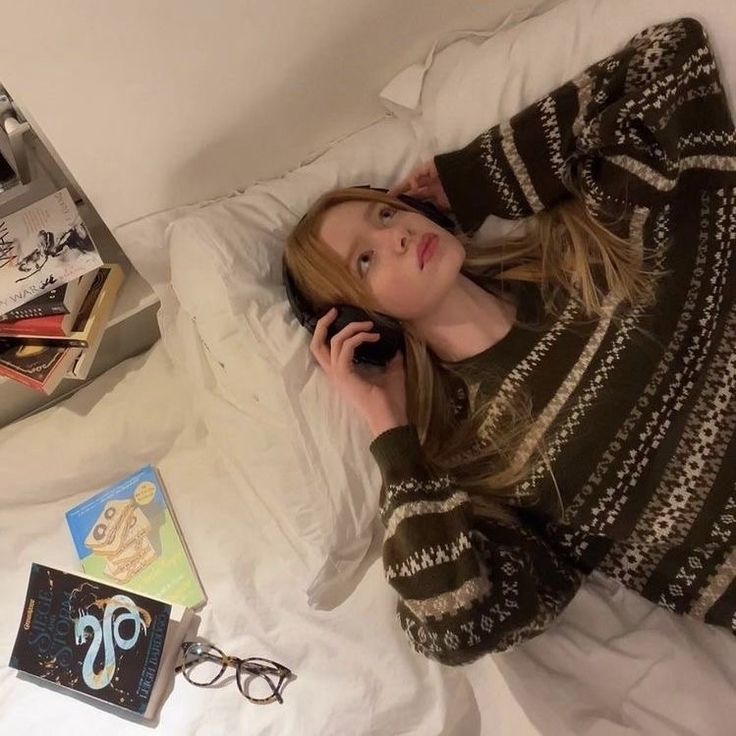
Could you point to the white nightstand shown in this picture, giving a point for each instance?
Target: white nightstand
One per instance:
(133, 327)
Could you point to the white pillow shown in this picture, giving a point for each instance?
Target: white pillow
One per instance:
(304, 452)
(286, 432)
(471, 86)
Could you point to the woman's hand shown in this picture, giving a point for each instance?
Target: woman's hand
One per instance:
(380, 398)
(423, 183)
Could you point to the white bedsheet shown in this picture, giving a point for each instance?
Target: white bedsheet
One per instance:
(355, 674)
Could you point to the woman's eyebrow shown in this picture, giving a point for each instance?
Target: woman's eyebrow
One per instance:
(367, 214)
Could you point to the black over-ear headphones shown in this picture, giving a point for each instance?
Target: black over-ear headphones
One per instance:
(392, 336)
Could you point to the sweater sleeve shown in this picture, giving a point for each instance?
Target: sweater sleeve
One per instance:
(466, 586)
(624, 132)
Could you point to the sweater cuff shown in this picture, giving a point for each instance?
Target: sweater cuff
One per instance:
(399, 454)
(466, 185)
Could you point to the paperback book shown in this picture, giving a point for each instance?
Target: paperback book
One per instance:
(106, 644)
(94, 313)
(56, 301)
(54, 325)
(43, 246)
(128, 535)
(39, 367)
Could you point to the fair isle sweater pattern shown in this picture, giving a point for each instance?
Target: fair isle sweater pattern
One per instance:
(639, 430)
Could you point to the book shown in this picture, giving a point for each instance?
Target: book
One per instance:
(42, 246)
(106, 644)
(56, 301)
(38, 367)
(128, 535)
(80, 367)
(53, 325)
(93, 313)
(82, 364)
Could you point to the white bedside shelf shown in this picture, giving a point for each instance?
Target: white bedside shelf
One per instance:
(133, 327)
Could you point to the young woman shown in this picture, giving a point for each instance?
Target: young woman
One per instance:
(565, 400)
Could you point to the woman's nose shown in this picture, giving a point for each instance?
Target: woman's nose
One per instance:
(397, 240)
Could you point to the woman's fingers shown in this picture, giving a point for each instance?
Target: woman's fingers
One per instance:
(347, 332)
(328, 355)
(318, 344)
(401, 188)
(417, 179)
(423, 182)
(344, 360)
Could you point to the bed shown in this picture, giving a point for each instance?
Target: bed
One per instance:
(271, 480)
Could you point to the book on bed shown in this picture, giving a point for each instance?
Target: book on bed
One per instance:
(106, 644)
(43, 246)
(128, 535)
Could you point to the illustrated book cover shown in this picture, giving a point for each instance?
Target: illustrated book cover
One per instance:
(128, 534)
(41, 368)
(94, 312)
(53, 325)
(98, 641)
(56, 301)
(43, 246)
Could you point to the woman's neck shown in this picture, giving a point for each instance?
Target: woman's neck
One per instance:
(466, 323)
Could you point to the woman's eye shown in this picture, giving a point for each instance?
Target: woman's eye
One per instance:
(364, 259)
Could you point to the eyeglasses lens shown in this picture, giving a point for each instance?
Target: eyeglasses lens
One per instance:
(260, 680)
(203, 663)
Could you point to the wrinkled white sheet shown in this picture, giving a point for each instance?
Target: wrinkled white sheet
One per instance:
(355, 673)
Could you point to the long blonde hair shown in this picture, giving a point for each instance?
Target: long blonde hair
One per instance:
(565, 251)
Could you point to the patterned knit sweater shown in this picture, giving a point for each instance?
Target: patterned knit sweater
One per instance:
(640, 432)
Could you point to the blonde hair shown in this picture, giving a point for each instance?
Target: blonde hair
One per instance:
(565, 251)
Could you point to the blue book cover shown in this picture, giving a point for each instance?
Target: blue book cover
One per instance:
(127, 534)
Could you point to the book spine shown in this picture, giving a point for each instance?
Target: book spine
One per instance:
(29, 313)
(51, 342)
(44, 327)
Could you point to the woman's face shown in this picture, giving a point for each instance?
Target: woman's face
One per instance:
(381, 245)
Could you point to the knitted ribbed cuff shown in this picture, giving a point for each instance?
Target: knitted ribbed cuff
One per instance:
(398, 453)
(466, 185)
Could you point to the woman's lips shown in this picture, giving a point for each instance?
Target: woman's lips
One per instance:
(426, 249)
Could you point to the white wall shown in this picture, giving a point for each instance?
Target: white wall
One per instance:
(156, 103)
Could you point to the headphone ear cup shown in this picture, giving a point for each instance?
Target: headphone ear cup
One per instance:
(301, 308)
(371, 353)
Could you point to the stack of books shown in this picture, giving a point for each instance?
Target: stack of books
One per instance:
(56, 294)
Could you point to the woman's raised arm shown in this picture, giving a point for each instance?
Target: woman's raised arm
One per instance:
(622, 132)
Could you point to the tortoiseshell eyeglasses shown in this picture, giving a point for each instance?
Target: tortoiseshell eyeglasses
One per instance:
(259, 680)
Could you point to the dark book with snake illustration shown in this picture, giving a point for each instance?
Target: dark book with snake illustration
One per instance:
(98, 640)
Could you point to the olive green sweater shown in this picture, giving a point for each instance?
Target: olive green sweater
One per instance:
(640, 431)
